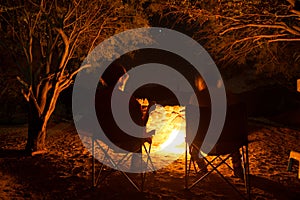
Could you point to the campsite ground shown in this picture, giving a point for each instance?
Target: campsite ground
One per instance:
(65, 171)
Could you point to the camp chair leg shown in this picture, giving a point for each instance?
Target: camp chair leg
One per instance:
(290, 164)
(246, 170)
(93, 173)
(195, 168)
(96, 179)
(248, 173)
(244, 167)
(226, 163)
(200, 179)
(185, 165)
(188, 164)
(215, 168)
(149, 158)
(143, 176)
(133, 183)
(116, 166)
(93, 164)
(209, 172)
(100, 178)
(229, 183)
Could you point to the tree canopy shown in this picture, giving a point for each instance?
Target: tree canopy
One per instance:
(262, 34)
(48, 40)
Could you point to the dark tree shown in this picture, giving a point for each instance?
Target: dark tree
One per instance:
(49, 39)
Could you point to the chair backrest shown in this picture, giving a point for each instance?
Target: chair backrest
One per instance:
(233, 135)
(109, 126)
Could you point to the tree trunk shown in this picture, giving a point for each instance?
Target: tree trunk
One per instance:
(36, 131)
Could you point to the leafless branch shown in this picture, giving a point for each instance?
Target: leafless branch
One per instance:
(66, 50)
(272, 26)
(285, 40)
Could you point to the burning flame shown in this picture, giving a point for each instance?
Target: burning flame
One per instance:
(174, 144)
(169, 125)
(171, 138)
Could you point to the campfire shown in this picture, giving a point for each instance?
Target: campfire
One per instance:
(169, 125)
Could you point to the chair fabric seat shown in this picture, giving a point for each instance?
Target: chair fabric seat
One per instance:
(129, 146)
(225, 148)
(234, 132)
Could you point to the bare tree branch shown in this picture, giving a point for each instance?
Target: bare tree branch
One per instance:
(285, 40)
(271, 26)
(66, 50)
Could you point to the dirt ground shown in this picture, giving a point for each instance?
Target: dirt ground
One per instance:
(65, 171)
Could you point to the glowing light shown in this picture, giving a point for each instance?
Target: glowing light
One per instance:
(174, 142)
(169, 123)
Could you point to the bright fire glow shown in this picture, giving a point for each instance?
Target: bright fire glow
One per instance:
(174, 144)
(171, 138)
(169, 125)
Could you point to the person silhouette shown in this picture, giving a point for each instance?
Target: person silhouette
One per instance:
(203, 99)
(116, 76)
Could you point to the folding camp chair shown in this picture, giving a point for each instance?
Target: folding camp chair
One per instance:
(233, 138)
(113, 147)
(118, 158)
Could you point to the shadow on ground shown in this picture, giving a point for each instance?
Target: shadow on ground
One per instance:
(279, 191)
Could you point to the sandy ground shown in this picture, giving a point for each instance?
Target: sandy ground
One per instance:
(65, 171)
